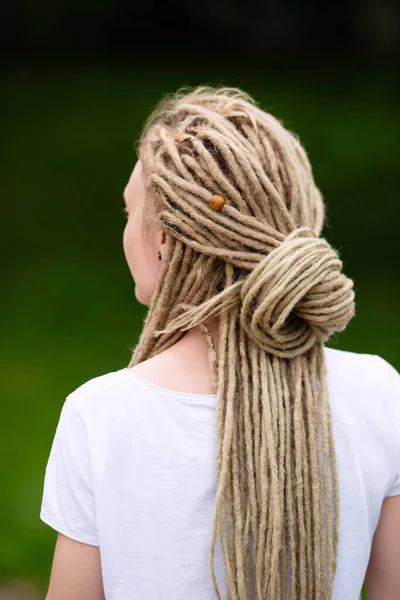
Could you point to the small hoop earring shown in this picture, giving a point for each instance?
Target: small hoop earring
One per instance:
(159, 255)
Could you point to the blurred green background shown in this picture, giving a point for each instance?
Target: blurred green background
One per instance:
(77, 86)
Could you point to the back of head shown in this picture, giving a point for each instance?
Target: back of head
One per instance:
(235, 192)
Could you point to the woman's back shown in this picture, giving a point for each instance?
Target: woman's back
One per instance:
(132, 470)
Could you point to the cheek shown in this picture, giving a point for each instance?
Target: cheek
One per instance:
(133, 246)
(142, 265)
(128, 243)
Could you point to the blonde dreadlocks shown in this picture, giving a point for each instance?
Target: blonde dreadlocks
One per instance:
(278, 289)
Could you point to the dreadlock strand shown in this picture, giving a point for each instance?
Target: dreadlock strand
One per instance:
(327, 442)
(242, 181)
(249, 453)
(219, 178)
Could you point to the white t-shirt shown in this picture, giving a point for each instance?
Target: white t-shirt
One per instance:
(132, 470)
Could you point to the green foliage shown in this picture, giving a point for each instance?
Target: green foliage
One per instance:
(69, 310)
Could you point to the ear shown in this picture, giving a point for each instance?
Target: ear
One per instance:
(162, 238)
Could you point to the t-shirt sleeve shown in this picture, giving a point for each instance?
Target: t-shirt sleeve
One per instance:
(68, 504)
(393, 384)
(395, 489)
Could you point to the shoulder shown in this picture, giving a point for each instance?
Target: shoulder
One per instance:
(96, 392)
(368, 378)
(361, 368)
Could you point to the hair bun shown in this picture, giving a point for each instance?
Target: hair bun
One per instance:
(296, 295)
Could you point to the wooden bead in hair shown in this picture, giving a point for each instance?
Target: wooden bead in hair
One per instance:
(216, 202)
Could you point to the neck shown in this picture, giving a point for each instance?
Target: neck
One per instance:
(195, 336)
